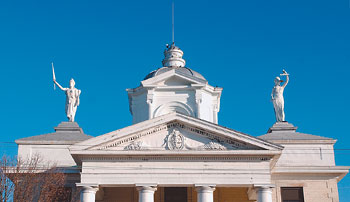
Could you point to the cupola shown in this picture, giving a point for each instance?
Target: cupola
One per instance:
(174, 88)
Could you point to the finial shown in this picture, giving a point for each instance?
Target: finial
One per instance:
(173, 56)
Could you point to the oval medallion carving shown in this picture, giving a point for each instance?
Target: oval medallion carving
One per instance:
(175, 140)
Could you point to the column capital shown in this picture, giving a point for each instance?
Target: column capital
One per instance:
(87, 192)
(205, 188)
(88, 188)
(264, 186)
(86, 185)
(264, 190)
(264, 193)
(146, 188)
(146, 192)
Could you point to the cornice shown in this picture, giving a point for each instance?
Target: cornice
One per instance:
(167, 158)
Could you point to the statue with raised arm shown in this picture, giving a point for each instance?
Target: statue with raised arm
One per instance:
(72, 97)
(277, 97)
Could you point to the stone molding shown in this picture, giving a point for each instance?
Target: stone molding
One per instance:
(178, 158)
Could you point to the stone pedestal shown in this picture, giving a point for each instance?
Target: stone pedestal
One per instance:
(205, 193)
(146, 193)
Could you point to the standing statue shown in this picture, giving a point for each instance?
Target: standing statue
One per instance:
(72, 97)
(277, 97)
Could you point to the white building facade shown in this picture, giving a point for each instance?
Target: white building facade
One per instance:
(176, 152)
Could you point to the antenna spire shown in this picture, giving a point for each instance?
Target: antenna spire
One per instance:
(173, 22)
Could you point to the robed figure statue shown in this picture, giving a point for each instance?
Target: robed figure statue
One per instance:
(277, 97)
(72, 98)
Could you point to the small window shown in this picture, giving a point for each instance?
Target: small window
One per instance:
(292, 194)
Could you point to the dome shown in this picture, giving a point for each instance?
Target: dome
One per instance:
(184, 70)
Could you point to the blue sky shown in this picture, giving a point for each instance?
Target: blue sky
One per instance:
(108, 46)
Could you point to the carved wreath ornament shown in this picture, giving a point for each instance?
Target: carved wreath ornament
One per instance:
(175, 140)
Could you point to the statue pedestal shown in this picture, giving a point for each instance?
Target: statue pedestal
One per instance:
(282, 132)
(282, 126)
(68, 127)
(66, 133)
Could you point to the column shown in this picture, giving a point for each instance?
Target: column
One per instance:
(146, 193)
(87, 194)
(205, 193)
(264, 194)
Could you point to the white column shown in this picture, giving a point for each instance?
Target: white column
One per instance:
(87, 194)
(205, 193)
(146, 193)
(264, 194)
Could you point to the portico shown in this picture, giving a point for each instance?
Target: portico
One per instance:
(176, 150)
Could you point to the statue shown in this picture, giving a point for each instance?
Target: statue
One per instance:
(277, 97)
(72, 97)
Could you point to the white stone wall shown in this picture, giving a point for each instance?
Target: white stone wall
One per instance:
(307, 155)
(50, 154)
(206, 107)
(174, 93)
(173, 100)
(140, 108)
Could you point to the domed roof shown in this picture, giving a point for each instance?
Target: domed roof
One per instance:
(184, 70)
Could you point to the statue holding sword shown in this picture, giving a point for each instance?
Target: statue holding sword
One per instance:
(72, 96)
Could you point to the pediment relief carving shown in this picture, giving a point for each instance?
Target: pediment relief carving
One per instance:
(175, 136)
(136, 145)
(175, 140)
(209, 146)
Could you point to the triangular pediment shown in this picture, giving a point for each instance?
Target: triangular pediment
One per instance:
(174, 132)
